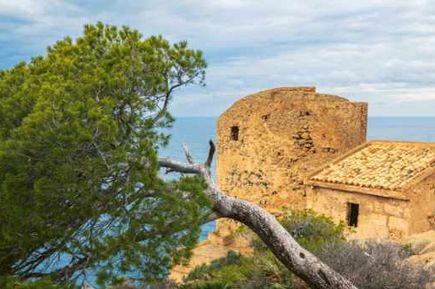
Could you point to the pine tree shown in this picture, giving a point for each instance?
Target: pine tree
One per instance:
(80, 129)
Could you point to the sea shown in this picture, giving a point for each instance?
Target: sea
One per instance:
(195, 132)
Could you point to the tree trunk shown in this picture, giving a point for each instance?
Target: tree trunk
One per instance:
(298, 260)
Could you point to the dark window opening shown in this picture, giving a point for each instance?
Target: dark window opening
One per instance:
(235, 133)
(352, 214)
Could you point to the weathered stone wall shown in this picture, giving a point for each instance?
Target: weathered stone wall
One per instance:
(269, 142)
(283, 134)
(423, 206)
(379, 217)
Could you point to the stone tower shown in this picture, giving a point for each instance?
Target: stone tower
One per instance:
(268, 142)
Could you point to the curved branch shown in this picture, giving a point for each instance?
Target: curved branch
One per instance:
(166, 97)
(298, 260)
(179, 167)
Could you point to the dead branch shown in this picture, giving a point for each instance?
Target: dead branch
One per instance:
(298, 260)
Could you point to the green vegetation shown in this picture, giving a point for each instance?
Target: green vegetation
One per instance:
(370, 265)
(262, 269)
(80, 129)
(42, 283)
(311, 230)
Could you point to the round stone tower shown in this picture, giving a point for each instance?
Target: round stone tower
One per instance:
(269, 141)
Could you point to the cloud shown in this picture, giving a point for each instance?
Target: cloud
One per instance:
(376, 51)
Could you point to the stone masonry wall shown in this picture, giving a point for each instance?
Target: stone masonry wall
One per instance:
(423, 206)
(379, 217)
(269, 141)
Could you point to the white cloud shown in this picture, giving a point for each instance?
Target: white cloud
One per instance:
(378, 51)
(21, 8)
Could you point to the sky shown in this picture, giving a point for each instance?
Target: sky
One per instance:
(381, 52)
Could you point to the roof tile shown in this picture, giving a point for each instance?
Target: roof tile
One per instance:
(380, 164)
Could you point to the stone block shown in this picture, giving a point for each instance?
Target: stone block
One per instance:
(375, 220)
(395, 209)
(398, 224)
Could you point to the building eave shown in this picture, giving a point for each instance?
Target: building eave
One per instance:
(388, 194)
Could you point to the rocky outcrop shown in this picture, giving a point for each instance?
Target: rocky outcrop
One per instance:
(423, 250)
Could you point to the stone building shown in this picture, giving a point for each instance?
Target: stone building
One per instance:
(292, 147)
(382, 189)
(268, 142)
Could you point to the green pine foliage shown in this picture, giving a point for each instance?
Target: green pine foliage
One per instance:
(80, 129)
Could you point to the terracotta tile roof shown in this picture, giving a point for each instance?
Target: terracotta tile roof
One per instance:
(380, 164)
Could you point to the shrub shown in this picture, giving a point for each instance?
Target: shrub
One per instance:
(204, 271)
(310, 230)
(267, 272)
(213, 285)
(375, 265)
(369, 265)
(263, 270)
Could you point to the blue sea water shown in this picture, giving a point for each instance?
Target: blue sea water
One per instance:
(196, 131)
(402, 128)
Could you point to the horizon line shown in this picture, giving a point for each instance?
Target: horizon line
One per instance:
(383, 116)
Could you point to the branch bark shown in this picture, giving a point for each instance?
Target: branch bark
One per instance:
(298, 260)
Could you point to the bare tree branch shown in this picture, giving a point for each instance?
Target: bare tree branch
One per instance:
(176, 166)
(188, 155)
(298, 260)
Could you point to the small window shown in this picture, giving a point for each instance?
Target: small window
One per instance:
(352, 214)
(235, 133)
